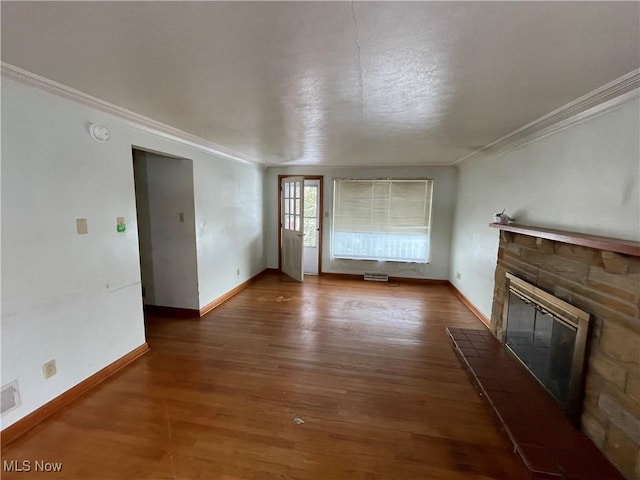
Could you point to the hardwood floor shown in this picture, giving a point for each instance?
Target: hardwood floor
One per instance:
(367, 366)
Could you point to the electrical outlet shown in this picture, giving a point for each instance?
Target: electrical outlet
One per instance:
(181, 217)
(49, 369)
(238, 272)
(458, 275)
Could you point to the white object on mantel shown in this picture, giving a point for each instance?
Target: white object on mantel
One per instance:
(502, 218)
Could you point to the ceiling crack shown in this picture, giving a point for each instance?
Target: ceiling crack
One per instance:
(357, 38)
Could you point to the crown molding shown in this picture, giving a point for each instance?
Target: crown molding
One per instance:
(135, 120)
(597, 102)
(326, 166)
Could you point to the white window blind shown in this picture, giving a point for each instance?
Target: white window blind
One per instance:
(382, 219)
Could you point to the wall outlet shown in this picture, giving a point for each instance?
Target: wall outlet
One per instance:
(49, 369)
(458, 275)
(181, 217)
(238, 272)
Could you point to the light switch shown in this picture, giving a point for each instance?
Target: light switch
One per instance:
(81, 226)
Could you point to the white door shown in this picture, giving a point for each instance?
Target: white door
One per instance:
(311, 226)
(291, 189)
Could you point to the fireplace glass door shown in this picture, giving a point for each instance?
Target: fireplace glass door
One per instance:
(544, 343)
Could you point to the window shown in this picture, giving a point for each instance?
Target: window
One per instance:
(382, 220)
(291, 201)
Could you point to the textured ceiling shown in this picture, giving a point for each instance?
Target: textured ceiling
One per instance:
(330, 83)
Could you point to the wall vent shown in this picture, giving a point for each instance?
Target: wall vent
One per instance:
(9, 397)
(376, 277)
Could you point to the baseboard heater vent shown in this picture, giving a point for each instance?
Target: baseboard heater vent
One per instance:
(376, 277)
(10, 397)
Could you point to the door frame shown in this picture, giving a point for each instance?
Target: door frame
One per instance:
(320, 215)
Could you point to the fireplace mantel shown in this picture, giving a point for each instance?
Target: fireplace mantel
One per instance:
(626, 247)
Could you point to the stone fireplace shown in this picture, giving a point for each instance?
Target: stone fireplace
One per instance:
(600, 277)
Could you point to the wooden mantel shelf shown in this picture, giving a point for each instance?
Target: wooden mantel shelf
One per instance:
(626, 247)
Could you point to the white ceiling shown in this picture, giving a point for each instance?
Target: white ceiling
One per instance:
(330, 83)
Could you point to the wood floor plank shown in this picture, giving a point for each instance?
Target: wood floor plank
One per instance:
(367, 366)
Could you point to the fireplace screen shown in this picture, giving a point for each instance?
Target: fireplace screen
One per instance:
(543, 344)
(548, 336)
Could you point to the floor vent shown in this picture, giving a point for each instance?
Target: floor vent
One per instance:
(9, 397)
(376, 277)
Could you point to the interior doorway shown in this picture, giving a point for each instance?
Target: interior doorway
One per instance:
(307, 254)
(165, 214)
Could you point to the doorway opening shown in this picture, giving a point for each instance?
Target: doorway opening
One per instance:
(166, 230)
(311, 240)
(300, 244)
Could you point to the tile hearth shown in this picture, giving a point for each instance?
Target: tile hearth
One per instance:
(543, 437)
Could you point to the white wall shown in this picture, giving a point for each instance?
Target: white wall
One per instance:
(444, 194)
(582, 179)
(168, 257)
(77, 298)
(229, 225)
